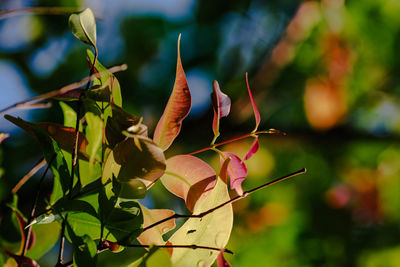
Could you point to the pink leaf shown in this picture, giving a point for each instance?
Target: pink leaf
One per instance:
(221, 106)
(237, 171)
(177, 109)
(189, 178)
(221, 261)
(253, 149)
(253, 104)
(153, 236)
(223, 173)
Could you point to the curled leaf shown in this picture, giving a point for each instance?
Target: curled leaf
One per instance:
(253, 104)
(178, 107)
(237, 171)
(188, 177)
(221, 107)
(83, 26)
(253, 149)
(153, 236)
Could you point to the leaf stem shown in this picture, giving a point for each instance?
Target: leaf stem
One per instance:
(27, 176)
(181, 246)
(245, 194)
(270, 131)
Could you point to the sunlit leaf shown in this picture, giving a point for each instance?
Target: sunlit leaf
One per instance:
(237, 171)
(153, 236)
(253, 104)
(94, 133)
(188, 177)
(212, 230)
(253, 149)
(83, 26)
(221, 107)
(154, 258)
(177, 109)
(69, 115)
(142, 160)
(48, 234)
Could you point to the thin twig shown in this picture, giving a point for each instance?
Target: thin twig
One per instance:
(64, 89)
(32, 172)
(245, 194)
(29, 230)
(270, 131)
(181, 246)
(38, 11)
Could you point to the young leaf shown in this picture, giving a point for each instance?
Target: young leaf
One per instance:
(253, 149)
(237, 171)
(221, 261)
(177, 109)
(221, 107)
(213, 230)
(153, 236)
(141, 159)
(83, 26)
(253, 104)
(69, 115)
(188, 177)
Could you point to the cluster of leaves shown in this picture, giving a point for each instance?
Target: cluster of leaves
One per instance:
(103, 161)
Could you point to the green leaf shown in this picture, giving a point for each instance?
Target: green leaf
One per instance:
(94, 134)
(178, 107)
(69, 115)
(48, 236)
(154, 258)
(83, 26)
(84, 249)
(212, 230)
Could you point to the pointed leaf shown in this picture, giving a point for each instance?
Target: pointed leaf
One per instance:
(221, 106)
(212, 230)
(69, 115)
(221, 261)
(71, 95)
(177, 109)
(141, 159)
(94, 133)
(237, 171)
(83, 26)
(253, 149)
(153, 236)
(188, 177)
(253, 104)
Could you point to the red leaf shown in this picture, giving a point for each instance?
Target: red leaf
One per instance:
(71, 95)
(3, 136)
(22, 260)
(237, 171)
(177, 109)
(189, 178)
(221, 261)
(253, 149)
(22, 223)
(253, 104)
(223, 173)
(221, 106)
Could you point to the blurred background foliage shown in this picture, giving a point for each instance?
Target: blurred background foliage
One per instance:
(325, 72)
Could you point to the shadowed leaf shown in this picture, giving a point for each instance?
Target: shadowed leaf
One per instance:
(188, 177)
(177, 109)
(83, 26)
